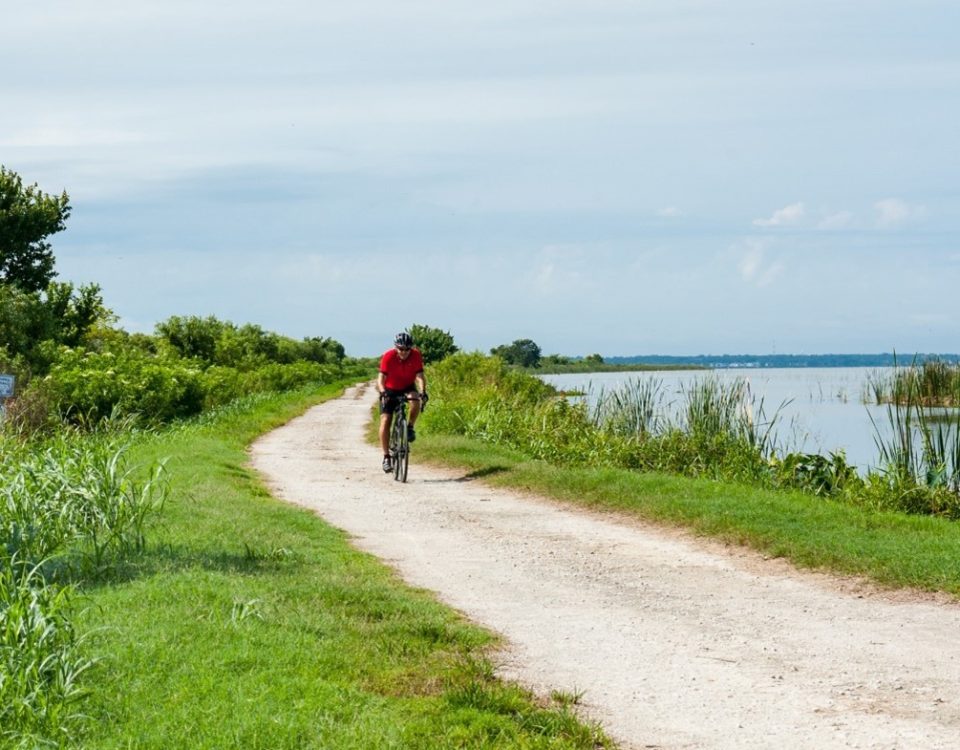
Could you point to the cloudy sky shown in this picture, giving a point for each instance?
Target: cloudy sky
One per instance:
(612, 176)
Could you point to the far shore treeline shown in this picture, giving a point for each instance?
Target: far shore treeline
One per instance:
(718, 361)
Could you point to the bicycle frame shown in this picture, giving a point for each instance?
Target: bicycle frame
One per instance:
(399, 441)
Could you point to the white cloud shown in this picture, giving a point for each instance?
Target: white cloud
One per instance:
(893, 212)
(47, 136)
(838, 220)
(753, 265)
(559, 269)
(786, 216)
(669, 212)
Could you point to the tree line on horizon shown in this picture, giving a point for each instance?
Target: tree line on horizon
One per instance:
(883, 359)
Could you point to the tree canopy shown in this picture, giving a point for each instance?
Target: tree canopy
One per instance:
(433, 343)
(522, 352)
(220, 342)
(27, 217)
(62, 315)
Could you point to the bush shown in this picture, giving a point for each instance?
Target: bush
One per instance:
(32, 411)
(90, 386)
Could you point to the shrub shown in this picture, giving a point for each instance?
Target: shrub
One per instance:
(90, 386)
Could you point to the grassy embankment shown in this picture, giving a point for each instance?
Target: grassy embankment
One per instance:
(248, 623)
(500, 425)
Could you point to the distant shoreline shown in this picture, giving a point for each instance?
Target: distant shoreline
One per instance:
(759, 361)
(585, 367)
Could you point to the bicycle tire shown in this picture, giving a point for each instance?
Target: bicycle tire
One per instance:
(403, 461)
(397, 447)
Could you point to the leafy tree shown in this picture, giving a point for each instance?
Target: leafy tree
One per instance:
(522, 352)
(27, 217)
(64, 315)
(74, 312)
(433, 343)
(192, 336)
(594, 359)
(323, 350)
(247, 347)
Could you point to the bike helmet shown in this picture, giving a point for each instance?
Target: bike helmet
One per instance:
(403, 339)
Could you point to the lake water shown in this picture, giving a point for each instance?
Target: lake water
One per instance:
(823, 407)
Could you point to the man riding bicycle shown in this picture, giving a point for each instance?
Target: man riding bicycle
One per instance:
(401, 373)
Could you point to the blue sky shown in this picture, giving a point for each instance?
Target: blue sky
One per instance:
(608, 176)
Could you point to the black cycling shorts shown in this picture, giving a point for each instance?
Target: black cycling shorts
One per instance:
(392, 401)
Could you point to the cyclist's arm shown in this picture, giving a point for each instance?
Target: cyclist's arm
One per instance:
(381, 382)
(421, 382)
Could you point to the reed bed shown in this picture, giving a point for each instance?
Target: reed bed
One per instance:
(933, 383)
(711, 429)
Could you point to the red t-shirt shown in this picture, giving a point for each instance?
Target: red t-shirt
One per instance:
(401, 373)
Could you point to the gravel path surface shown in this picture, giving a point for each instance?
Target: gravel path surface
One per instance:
(674, 642)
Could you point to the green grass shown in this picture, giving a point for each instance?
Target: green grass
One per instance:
(248, 623)
(893, 549)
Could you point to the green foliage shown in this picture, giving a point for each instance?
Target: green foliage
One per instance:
(322, 350)
(522, 353)
(211, 341)
(434, 344)
(722, 434)
(85, 386)
(68, 500)
(90, 386)
(930, 383)
(69, 509)
(27, 217)
(192, 336)
(40, 663)
(31, 321)
(821, 475)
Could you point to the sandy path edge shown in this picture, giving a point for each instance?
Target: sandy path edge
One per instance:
(672, 643)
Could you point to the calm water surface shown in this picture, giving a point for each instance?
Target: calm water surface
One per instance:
(823, 408)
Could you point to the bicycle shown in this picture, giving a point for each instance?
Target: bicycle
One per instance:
(400, 440)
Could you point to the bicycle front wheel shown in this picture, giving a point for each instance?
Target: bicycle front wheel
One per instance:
(403, 460)
(399, 447)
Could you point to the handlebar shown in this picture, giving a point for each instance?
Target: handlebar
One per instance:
(411, 397)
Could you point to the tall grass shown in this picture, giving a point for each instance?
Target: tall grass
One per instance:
(69, 510)
(40, 664)
(635, 408)
(920, 455)
(721, 431)
(716, 430)
(930, 383)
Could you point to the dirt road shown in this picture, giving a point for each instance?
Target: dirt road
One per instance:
(674, 642)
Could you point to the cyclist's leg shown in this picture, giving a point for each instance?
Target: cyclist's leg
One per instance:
(385, 420)
(414, 413)
(387, 410)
